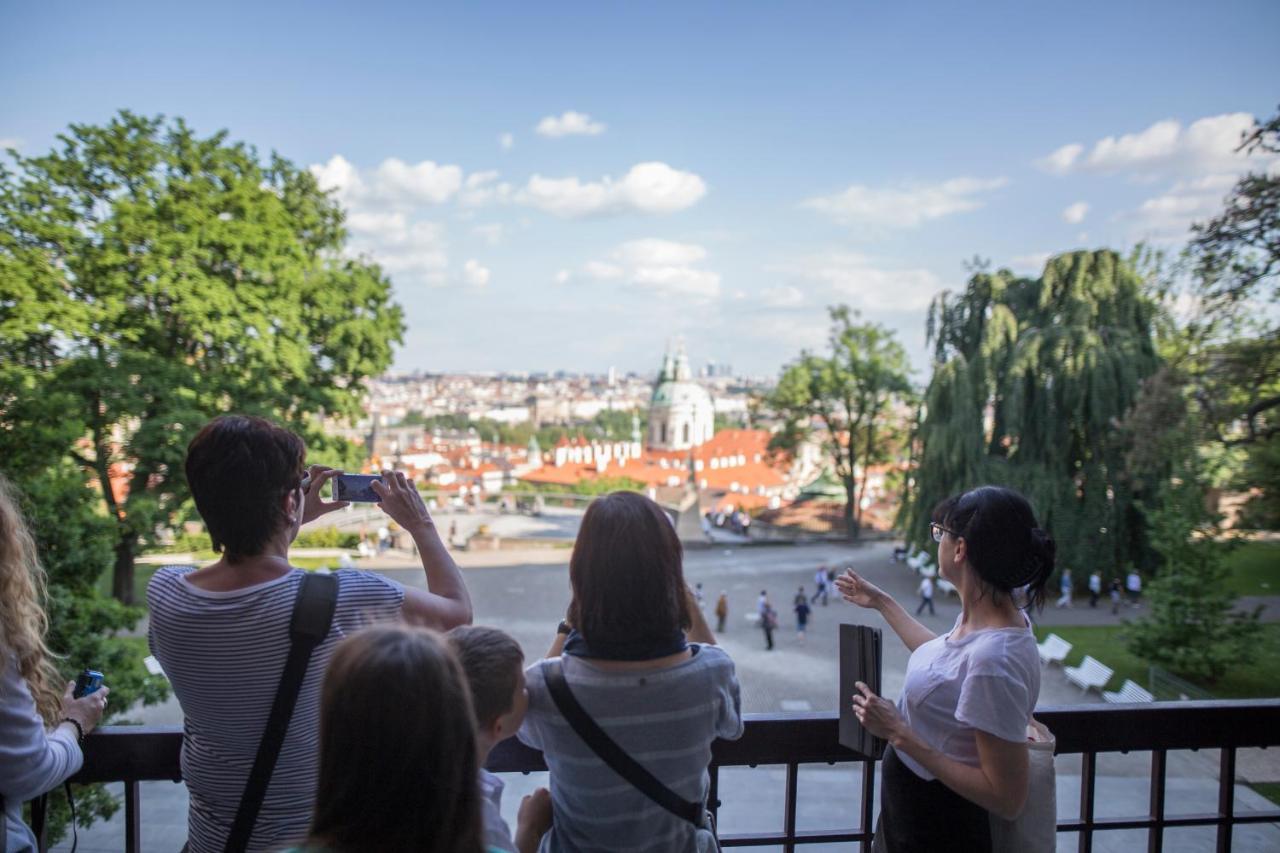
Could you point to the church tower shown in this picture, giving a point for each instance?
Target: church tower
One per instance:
(681, 414)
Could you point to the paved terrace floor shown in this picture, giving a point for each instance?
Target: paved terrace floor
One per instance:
(525, 593)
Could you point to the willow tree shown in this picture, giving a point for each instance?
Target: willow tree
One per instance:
(1031, 378)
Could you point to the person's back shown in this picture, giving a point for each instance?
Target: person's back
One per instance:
(664, 719)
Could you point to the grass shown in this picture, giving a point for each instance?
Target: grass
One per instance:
(1255, 569)
(1270, 790)
(1258, 679)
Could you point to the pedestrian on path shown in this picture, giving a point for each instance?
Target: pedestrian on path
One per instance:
(802, 617)
(768, 622)
(820, 583)
(1133, 583)
(1064, 600)
(1095, 588)
(1115, 596)
(722, 611)
(926, 595)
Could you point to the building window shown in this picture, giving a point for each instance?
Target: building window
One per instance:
(686, 433)
(664, 434)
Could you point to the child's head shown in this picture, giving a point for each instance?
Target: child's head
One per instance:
(397, 746)
(494, 668)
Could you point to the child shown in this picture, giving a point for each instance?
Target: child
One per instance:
(494, 668)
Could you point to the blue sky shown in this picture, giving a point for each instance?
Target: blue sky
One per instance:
(714, 171)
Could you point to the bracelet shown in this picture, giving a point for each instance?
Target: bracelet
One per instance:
(79, 729)
(564, 628)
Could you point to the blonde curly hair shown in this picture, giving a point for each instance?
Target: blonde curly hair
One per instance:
(23, 623)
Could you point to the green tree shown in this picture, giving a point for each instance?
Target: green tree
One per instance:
(849, 400)
(158, 278)
(1030, 378)
(1192, 627)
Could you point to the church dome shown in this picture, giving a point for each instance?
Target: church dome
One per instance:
(681, 412)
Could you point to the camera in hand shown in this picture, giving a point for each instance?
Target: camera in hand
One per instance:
(87, 682)
(355, 488)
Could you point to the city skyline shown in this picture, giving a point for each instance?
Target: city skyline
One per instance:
(569, 188)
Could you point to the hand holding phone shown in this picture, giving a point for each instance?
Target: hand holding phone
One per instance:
(355, 488)
(87, 682)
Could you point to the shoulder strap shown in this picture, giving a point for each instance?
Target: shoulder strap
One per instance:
(610, 753)
(312, 617)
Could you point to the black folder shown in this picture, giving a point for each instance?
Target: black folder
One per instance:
(860, 660)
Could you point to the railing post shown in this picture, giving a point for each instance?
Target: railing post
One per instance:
(1088, 774)
(39, 821)
(1226, 797)
(1155, 837)
(789, 807)
(132, 818)
(713, 794)
(868, 802)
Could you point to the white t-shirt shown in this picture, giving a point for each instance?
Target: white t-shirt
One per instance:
(1133, 582)
(988, 681)
(926, 588)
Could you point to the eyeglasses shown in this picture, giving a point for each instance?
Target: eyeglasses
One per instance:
(938, 530)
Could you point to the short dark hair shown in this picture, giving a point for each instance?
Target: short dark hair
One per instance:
(1005, 546)
(398, 757)
(491, 660)
(239, 469)
(627, 574)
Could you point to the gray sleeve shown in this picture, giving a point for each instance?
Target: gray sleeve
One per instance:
(32, 760)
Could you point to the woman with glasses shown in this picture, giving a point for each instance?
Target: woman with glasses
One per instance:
(957, 749)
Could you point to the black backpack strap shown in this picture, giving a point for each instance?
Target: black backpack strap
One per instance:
(608, 751)
(312, 616)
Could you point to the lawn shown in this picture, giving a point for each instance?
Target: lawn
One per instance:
(1261, 678)
(1255, 569)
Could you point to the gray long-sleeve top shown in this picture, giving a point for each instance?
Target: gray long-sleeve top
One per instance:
(32, 759)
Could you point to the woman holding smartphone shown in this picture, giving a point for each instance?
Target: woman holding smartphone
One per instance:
(957, 737)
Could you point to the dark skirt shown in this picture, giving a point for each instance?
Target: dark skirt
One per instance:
(923, 817)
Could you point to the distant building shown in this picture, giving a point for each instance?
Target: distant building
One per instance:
(681, 414)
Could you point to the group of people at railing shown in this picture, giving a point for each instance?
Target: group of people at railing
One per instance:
(401, 699)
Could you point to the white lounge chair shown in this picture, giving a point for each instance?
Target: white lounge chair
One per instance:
(1129, 693)
(1090, 674)
(946, 586)
(918, 561)
(1054, 649)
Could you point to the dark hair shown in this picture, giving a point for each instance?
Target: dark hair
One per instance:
(626, 572)
(398, 758)
(239, 469)
(491, 660)
(1003, 543)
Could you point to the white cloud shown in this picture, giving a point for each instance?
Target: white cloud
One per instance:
(563, 276)
(426, 182)
(1033, 262)
(474, 274)
(483, 188)
(786, 296)
(507, 141)
(1166, 147)
(906, 206)
(1075, 213)
(646, 188)
(664, 266)
(491, 233)
(376, 222)
(1167, 217)
(7, 142)
(569, 123)
(865, 282)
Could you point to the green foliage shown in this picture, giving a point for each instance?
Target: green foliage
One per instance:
(326, 537)
(1031, 377)
(1262, 473)
(605, 426)
(1192, 627)
(852, 395)
(152, 279)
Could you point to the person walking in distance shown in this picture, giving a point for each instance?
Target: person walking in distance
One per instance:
(722, 611)
(820, 585)
(1133, 583)
(1064, 600)
(802, 616)
(768, 621)
(926, 595)
(1095, 588)
(1115, 596)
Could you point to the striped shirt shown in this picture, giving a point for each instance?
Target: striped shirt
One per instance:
(665, 719)
(224, 653)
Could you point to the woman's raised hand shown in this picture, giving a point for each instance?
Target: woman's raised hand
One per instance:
(857, 590)
(400, 500)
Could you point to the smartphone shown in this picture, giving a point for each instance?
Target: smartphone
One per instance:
(355, 487)
(87, 682)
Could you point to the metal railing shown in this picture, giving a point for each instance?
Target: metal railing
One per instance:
(134, 754)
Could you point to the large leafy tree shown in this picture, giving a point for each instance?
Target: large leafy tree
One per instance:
(851, 400)
(153, 278)
(1031, 377)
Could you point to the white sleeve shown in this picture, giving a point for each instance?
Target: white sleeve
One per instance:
(32, 760)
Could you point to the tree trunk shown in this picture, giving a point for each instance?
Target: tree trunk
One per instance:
(122, 574)
(852, 528)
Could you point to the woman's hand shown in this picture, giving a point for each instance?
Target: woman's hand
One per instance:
(876, 714)
(314, 506)
(533, 820)
(87, 710)
(401, 501)
(856, 590)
